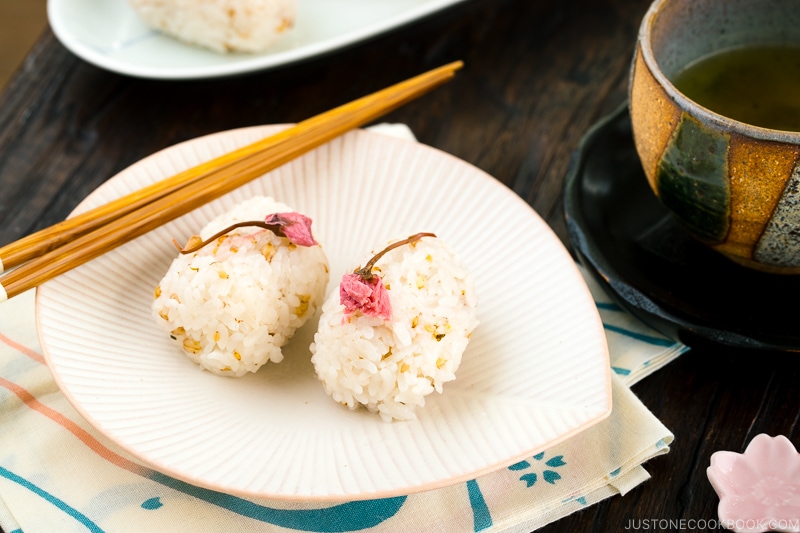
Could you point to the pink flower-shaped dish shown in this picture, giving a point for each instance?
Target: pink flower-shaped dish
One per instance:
(759, 490)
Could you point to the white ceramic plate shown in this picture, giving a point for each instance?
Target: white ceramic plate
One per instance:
(535, 373)
(110, 35)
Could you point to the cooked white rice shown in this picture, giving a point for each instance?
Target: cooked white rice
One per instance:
(233, 304)
(390, 367)
(220, 25)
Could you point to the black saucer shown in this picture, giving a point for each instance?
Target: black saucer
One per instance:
(645, 260)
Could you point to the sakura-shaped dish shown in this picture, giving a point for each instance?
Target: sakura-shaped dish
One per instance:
(759, 490)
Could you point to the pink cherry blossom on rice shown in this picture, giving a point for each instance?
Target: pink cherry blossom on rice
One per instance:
(759, 490)
(370, 297)
(295, 226)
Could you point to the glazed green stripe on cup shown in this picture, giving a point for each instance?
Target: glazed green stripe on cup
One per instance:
(692, 179)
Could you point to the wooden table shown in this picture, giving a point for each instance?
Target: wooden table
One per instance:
(537, 75)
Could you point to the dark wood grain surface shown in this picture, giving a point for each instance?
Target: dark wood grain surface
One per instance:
(537, 75)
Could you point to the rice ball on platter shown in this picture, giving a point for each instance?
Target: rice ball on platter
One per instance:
(220, 25)
(396, 329)
(233, 303)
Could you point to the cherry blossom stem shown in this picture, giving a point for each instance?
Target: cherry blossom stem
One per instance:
(366, 271)
(195, 244)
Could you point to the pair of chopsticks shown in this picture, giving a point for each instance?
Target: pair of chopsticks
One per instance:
(52, 251)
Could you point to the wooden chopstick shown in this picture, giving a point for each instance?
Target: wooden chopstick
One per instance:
(71, 243)
(47, 239)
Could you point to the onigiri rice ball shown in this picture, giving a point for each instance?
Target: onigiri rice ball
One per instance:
(389, 364)
(231, 305)
(220, 25)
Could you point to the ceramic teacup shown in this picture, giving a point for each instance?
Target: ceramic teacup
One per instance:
(732, 185)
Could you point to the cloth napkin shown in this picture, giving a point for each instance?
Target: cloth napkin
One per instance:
(58, 474)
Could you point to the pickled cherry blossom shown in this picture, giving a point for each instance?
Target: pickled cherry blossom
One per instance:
(370, 297)
(294, 226)
(364, 292)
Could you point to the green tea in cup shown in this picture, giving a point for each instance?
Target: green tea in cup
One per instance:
(715, 109)
(758, 85)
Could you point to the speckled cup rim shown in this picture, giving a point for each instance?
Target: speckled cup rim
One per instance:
(686, 103)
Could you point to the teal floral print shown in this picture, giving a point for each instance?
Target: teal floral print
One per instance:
(543, 469)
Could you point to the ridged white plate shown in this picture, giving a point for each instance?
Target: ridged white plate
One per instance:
(110, 35)
(535, 373)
